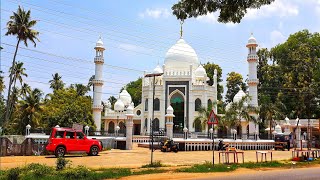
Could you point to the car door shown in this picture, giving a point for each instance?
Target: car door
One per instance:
(81, 141)
(71, 141)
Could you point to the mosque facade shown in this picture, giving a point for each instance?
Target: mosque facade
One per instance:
(182, 84)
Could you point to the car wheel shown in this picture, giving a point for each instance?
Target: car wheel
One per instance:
(60, 151)
(94, 151)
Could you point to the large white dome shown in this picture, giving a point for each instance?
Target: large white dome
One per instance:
(181, 56)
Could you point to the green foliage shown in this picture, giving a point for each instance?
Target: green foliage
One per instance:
(229, 10)
(149, 171)
(238, 111)
(79, 172)
(153, 165)
(13, 174)
(134, 88)
(234, 83)
(210, 67)
(65, 107)
(252, 165)
(19, 25)
(289, 73)
(61, 163)
(2, 86)
(112, 100)
(37, 170)
(56, 83)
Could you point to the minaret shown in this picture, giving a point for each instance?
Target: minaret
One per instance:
(253, 80)
(98, 84)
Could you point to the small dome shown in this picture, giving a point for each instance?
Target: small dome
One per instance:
(157, 70)
(170, 110)
(239, 96)
(278, 129)
(125, 97)
(99, 43)
(130, 109)
(119, 106)
(107, 104)
(252, 40)
(181, 55)
(200, 72)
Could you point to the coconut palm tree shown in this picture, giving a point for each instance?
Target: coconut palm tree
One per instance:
(56, 83)
(272, 111)
(90, 83)
(2, 86)
(240, 111)
(80, 89)
(203, 114)
(20, 25)
(30, 105)
(17, 72)
(25, 89)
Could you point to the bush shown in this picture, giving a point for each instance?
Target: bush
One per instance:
(38, 170)
(61, 163)
(79, 172)
(13, 174)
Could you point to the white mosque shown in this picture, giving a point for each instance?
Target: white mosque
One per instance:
(182, 87)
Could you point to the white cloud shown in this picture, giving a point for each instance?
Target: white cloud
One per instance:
(133, 48)
(209, 18)
(155, 13)
(212, 18)
(276, 37)
(279, 8)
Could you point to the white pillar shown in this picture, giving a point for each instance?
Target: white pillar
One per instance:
(98, 84)
(169, 123)
(129, 126)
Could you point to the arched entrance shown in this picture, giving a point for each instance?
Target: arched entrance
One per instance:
(177, 103)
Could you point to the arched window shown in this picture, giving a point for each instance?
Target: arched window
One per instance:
(197, 125)
(197, 104)
(156, 104)
(146, 105)
(111, 127)
(209, 104)
(155, 124)
(122, 129)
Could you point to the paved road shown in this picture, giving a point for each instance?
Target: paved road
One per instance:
(287, 174)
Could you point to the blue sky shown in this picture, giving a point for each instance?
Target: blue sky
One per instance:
(137, 35)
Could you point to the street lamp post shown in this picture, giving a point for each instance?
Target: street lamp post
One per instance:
(153, 94)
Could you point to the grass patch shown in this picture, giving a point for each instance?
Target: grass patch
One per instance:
(155, 164)
(207, 167)
(149, 171)
(269, 164)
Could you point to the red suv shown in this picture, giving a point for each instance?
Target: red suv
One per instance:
(67, 140)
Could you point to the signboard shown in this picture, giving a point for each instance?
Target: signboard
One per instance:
(212, 119)
(77, 126)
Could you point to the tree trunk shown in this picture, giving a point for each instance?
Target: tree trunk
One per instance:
(8, 105)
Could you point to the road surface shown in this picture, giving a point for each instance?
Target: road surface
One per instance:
(312, 173)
